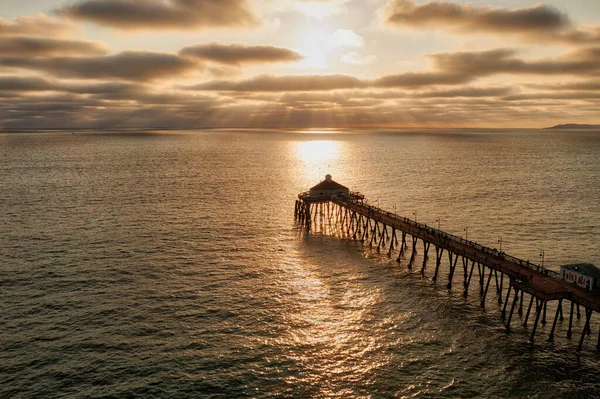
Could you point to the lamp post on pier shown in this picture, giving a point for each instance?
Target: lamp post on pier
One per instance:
(467, 233)
(500, 241)
(438, 220)
(415, 214)
(542, 254)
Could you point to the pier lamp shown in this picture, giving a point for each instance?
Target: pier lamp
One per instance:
(542, 255)
(500, 242)
(394, 209)
(467, 233)
(415, 214)
(438, 220)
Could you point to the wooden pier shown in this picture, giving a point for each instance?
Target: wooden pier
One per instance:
(331, 208)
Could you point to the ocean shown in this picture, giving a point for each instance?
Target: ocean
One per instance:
(167, 264)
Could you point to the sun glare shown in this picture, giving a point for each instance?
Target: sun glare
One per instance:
(317, 47)
(318, 152)
(317, 157)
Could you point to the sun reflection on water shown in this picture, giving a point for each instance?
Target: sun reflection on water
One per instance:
(318, 150)
(317, 157)
(329, 335)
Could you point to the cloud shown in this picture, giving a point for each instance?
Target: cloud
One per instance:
(473, 92)
(163, 14)
(240, 54)
(115, 104)
(346, 38)
(128, 65)
(466, 17)
(569, 96)
(113, 90)
(38, 25)
(538, 23)
(355, 58)
(419, 79)
(503, 61)
(320, 8)
(268, 83)
(38, 46)
(25, 83)
(590, 85)
(37, 84)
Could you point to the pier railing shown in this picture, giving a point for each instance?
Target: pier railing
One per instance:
(473, 244)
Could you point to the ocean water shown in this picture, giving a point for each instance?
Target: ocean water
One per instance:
(167, 264)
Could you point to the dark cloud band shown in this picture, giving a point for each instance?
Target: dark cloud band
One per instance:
(466, 17)
(128, 65)
(163, 14)
(536, 23)
(38, 46)
(240, 54)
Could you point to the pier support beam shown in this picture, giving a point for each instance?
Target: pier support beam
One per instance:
(500, 287)
(570, 330)
(465, 263)
(373, 233)
(439, 251)
(413, 253)
(521, 304)
(551, 336)
(381, 238)
(468, 281)
(426, 246)
(512, 308)
(481, 270)
(544, 316)
(586, 327)
(528, 311)
(402, 247)
(452, 268)
(487, 286)
(561, 311)
(365, 232)
(506, 302)
(539, 304)
(393, 241)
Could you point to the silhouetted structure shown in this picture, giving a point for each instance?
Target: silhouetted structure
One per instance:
(347, 215)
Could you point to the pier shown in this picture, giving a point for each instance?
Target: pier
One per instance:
(518, 286)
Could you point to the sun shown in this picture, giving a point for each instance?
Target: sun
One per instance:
(317, 47)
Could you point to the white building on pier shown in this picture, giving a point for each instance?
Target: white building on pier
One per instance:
(584, 275)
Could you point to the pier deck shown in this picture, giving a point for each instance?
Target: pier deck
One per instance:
(533, 279)
(352, 217)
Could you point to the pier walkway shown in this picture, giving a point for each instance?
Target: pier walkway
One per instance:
(348, 215)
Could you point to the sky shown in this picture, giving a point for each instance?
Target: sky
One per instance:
(189, 64)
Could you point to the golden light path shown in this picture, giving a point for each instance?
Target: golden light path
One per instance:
(317, 157)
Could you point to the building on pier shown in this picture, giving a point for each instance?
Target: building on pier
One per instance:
(328, 188)
(585, 275)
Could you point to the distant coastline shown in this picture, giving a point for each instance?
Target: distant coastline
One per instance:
(574, 126)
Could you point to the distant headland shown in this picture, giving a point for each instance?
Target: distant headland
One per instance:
(574, 126)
